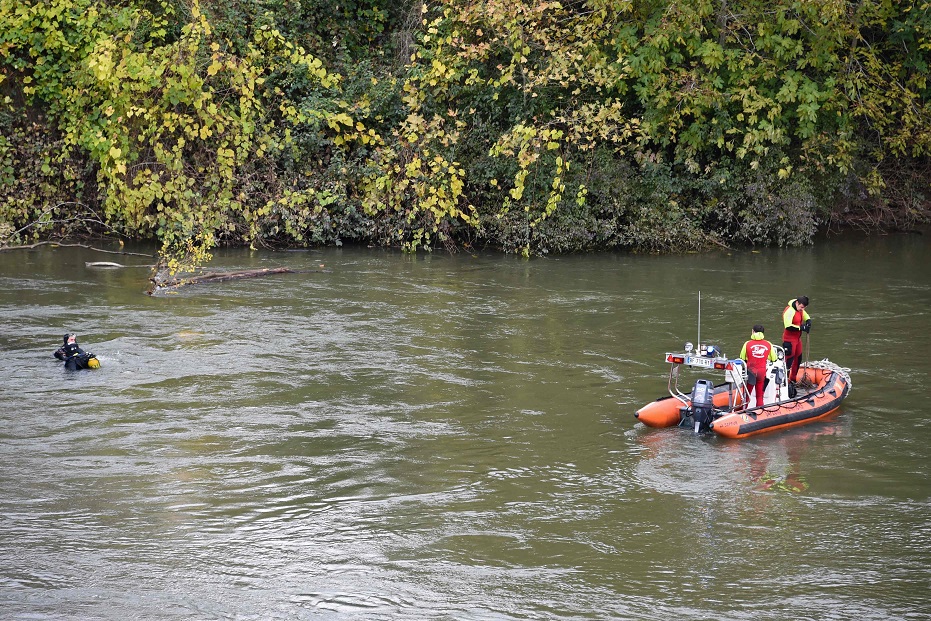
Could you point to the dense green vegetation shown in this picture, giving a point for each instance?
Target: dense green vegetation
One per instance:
(534, 126)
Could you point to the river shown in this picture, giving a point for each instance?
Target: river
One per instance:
(386, 436)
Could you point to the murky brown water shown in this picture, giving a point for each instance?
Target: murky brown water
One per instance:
(452, 437)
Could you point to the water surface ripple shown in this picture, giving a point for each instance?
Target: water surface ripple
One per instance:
(451, 437)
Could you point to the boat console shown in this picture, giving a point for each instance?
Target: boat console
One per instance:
(699, 405)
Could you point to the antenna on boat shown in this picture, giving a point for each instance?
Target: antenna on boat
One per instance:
(698, 342)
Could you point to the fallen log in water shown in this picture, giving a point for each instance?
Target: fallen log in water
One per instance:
(163, 281)
(105, 264)
(111, 264)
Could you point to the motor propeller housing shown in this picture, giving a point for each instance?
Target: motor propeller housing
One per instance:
(701, 409)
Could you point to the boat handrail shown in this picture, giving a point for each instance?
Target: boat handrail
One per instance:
(738, 379)
(735, 372)
(673, 384)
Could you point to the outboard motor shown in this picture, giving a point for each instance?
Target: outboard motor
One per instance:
(702, 409)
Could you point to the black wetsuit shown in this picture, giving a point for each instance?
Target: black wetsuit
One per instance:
(74, 357)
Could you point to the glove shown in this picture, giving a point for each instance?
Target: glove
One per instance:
(806, 327)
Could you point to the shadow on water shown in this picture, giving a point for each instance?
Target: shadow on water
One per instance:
(452, 436)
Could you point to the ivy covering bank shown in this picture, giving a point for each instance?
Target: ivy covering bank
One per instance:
(530, 125)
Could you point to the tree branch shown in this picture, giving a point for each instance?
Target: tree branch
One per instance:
(52, 243)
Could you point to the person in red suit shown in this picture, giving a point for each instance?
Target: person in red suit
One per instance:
(756, 352)
(795, 320)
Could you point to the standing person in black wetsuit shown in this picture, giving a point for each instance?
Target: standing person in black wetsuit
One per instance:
(73, 356)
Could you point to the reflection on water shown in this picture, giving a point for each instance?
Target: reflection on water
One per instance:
(452, 437)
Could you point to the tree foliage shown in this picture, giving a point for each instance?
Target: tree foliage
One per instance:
(534, 125)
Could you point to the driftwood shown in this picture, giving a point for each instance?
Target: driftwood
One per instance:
(163, 281)
(111, 264)
(105, 264)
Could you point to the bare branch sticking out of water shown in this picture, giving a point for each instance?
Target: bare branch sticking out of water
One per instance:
(163, 282)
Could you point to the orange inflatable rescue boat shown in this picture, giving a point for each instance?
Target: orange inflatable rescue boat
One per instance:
(723, 408)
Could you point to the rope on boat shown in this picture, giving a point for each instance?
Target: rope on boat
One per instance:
(827, 365)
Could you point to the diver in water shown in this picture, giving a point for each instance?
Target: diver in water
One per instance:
(74, 357)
